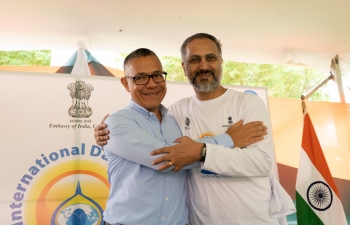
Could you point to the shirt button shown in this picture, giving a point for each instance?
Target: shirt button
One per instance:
(167, 178)
(167, 198)
(163, 218)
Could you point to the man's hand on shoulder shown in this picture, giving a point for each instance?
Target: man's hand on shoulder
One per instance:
(185, 153)
(247, 134)
(101, 136)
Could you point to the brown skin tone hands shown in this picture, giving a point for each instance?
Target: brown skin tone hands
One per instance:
(247, 134)
(181, 155)
(186, 152)
(101, 136)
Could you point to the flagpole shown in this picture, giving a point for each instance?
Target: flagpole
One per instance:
(303, 105)
(331, 76)
(308, 95)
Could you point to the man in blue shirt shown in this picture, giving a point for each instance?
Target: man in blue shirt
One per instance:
(139, 193)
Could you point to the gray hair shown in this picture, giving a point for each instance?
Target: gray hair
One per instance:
(199, 36)
(140, 52)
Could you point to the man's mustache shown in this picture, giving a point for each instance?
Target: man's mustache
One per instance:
(200, 72)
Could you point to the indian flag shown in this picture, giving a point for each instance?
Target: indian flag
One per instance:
(317, 197)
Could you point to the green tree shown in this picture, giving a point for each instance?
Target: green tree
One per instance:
(25, 58)
(172, 65)
(281, 81)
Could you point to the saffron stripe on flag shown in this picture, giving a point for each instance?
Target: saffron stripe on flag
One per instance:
(313, 149)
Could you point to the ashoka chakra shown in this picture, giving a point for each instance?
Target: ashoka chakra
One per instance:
(319, 196)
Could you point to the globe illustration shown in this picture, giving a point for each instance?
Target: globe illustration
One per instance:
(250, 92)
(78, 214)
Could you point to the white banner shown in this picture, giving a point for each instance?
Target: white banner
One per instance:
(51, 170)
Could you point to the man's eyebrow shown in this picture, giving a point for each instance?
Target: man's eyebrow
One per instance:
(204, 55)
(145, 74)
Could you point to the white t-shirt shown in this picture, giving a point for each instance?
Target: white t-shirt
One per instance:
(234, 186)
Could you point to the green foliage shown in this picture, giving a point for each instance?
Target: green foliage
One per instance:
(280, 80)
(25, 58)
(172, 65)
(124, 54)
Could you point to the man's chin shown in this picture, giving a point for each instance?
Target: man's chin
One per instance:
(202, 88)
(206, 87)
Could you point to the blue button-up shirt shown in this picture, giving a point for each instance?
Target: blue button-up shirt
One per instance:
(139, 193)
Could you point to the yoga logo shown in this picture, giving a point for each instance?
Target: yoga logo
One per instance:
(63, 188)
(78, 209)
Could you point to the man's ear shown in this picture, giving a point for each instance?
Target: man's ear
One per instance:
(183, 67)
(124, 82)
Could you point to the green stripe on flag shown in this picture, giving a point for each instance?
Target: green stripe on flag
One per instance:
(305, 215)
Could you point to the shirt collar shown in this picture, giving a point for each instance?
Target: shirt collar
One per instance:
(163, 110)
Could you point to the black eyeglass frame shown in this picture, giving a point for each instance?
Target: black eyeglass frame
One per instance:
(149, 77)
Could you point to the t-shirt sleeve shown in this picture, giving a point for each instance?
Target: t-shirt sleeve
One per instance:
(251, 161)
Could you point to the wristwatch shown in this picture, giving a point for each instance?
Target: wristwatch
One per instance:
(204, 152)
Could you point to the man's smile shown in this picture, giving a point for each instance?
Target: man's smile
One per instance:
(151, 94)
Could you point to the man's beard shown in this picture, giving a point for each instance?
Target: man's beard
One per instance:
(205, 86)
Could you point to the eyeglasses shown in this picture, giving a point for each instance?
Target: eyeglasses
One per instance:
(144, 79)
(197, 59)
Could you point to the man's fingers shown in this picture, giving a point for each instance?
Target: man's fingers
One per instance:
(101, 143)
(178, 140)
(256, 139)
(165, 166)
(104, 118)
(156, 152)
(103, 132)
(177, 168)
(258, 134)
(159, 151)
(160, 160)
(100, 127)
(238, 123)
(256, 128)
(102, 138)
(253, 124)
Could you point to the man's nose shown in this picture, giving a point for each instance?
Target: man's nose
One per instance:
(203, 64)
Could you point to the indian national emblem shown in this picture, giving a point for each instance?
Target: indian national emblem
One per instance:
(187, 122)
(80, 94)
(230, 120)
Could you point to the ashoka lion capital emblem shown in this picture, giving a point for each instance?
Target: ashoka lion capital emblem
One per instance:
(80, 94)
